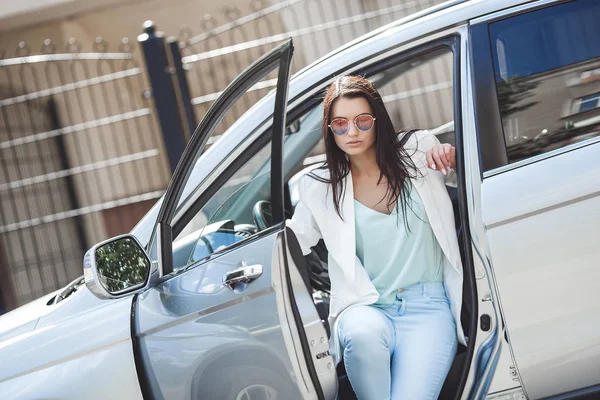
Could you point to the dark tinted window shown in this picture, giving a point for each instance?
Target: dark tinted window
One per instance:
(547, 67)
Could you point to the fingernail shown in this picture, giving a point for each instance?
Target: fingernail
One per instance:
(433, 166)
(443, 171)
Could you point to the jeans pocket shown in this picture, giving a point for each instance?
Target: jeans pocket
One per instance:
(439, 299)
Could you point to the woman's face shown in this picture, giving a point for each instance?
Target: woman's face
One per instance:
(354, 141)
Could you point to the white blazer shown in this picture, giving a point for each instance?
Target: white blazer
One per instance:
(315, 218)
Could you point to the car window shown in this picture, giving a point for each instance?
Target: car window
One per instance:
(227, 217)
(418, 93)
(547, 71)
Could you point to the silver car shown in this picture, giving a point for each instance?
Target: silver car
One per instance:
(209, 297)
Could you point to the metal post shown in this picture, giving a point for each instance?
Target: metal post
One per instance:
(184, 91)
(7, 291)
(65, 165)
(163, 91)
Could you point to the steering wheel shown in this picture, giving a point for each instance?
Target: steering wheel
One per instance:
(207, 244)
(262, 213)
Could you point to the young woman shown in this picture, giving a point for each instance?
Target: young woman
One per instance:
(381, 207)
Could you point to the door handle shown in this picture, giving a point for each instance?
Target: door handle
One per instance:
(245, 274)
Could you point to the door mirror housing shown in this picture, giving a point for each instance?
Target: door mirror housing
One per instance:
(116, 267)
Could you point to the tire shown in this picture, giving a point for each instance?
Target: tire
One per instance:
(245, 383)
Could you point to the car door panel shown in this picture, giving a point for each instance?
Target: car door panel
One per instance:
(542, 225)
(193, 324)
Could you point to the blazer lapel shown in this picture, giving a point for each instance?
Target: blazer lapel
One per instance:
(347, 234)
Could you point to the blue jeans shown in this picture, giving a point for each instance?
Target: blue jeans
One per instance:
(401, 351)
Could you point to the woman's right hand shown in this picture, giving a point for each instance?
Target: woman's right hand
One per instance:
(442, 157)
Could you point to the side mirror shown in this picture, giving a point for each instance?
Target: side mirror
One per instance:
(116, 267)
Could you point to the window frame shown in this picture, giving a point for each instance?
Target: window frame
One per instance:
(488, 121)
(279, 59)
(215, 185)
(215, 180)
(580, 101)
(493, 152)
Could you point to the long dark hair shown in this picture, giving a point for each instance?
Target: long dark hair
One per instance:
(393, 160)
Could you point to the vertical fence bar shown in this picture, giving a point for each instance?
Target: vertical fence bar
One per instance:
(182, 84)
(65, 165)
(163, 91)
(7, 291)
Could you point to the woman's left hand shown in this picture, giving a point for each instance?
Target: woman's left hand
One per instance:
(442, 157)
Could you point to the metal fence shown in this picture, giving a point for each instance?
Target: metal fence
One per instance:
(80, 160)
(88, 140)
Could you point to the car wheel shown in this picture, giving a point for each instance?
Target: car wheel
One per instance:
(257, 391)
(246, 383)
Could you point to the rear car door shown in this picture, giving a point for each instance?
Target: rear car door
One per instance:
(224, 320)
(537, 75)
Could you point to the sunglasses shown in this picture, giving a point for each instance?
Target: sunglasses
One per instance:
(363, 123)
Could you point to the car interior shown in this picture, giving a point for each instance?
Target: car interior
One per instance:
(241, 208)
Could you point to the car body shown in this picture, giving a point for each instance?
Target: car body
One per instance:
(527, 205)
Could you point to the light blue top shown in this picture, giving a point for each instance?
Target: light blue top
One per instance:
(393, 256)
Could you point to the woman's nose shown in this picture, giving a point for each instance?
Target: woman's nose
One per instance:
(352, 131)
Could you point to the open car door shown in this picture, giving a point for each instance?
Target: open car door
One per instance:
(227, 317)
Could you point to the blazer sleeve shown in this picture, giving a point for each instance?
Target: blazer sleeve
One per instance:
(303, 223)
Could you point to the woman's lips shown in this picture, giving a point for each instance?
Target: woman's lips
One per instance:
(354, 143)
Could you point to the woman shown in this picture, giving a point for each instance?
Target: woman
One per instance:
(381, 207)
